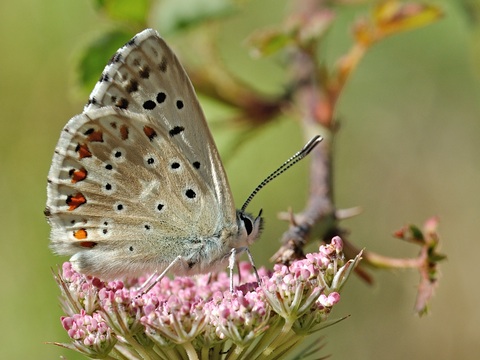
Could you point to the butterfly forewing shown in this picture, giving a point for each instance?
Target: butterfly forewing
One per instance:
(145, 77)
(136, 180)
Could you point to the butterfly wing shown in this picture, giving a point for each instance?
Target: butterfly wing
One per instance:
(145, 77)
(136, 180)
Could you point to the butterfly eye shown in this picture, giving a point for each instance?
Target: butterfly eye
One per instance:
(247, 223)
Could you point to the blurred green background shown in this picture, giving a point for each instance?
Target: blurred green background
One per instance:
(408, 149)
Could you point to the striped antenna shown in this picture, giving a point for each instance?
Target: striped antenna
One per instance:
(286, 165)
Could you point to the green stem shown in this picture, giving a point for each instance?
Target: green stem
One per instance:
(252, 346)
(286, 346)
(138, 348)
(235, 353)
(267, 339)
(190, 350)
(205, 353)
(167, 353)
(124, 352)
(280, 338)
(380, 261)
(115, 358)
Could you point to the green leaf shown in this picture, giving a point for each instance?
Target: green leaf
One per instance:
(325, 324)
(268, 42)
(436, 257)
(125, 10)
(95, 57)
(175, 15)
(416, 233)
(393, 16)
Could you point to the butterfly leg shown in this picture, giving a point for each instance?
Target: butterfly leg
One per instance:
(232, 261)
(145, 288)
(239, 273)
(210, 277)
(146, 282)
(250, 258)
(231, 264)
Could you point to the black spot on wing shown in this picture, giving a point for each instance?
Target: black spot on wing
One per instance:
(163, 64)
(131, 86)
(176, 130)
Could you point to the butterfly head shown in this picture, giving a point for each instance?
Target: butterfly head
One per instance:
(249, 226)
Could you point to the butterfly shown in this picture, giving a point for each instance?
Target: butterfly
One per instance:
(136, 183)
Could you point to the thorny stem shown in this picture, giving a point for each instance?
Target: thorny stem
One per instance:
(316, 97)
(316, 106)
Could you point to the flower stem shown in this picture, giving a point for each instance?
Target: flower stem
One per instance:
(287, 344)
(281, 338)
(191, 353)
(383, 262)
(266, 340)
(235, 353)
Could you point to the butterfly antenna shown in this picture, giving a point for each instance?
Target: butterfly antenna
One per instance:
(286, 165)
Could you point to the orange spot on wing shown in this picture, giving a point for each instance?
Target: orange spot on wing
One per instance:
(88, 244)
(124, 132)
(74, 201)
(78, 175)
(80, 234)
(83, 151)
(151, 133)
(96, 136)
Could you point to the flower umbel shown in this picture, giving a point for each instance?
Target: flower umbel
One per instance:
(199, 318)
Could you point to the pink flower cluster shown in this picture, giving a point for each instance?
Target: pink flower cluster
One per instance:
(238, 316)
(191, 318)
(91, 331)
